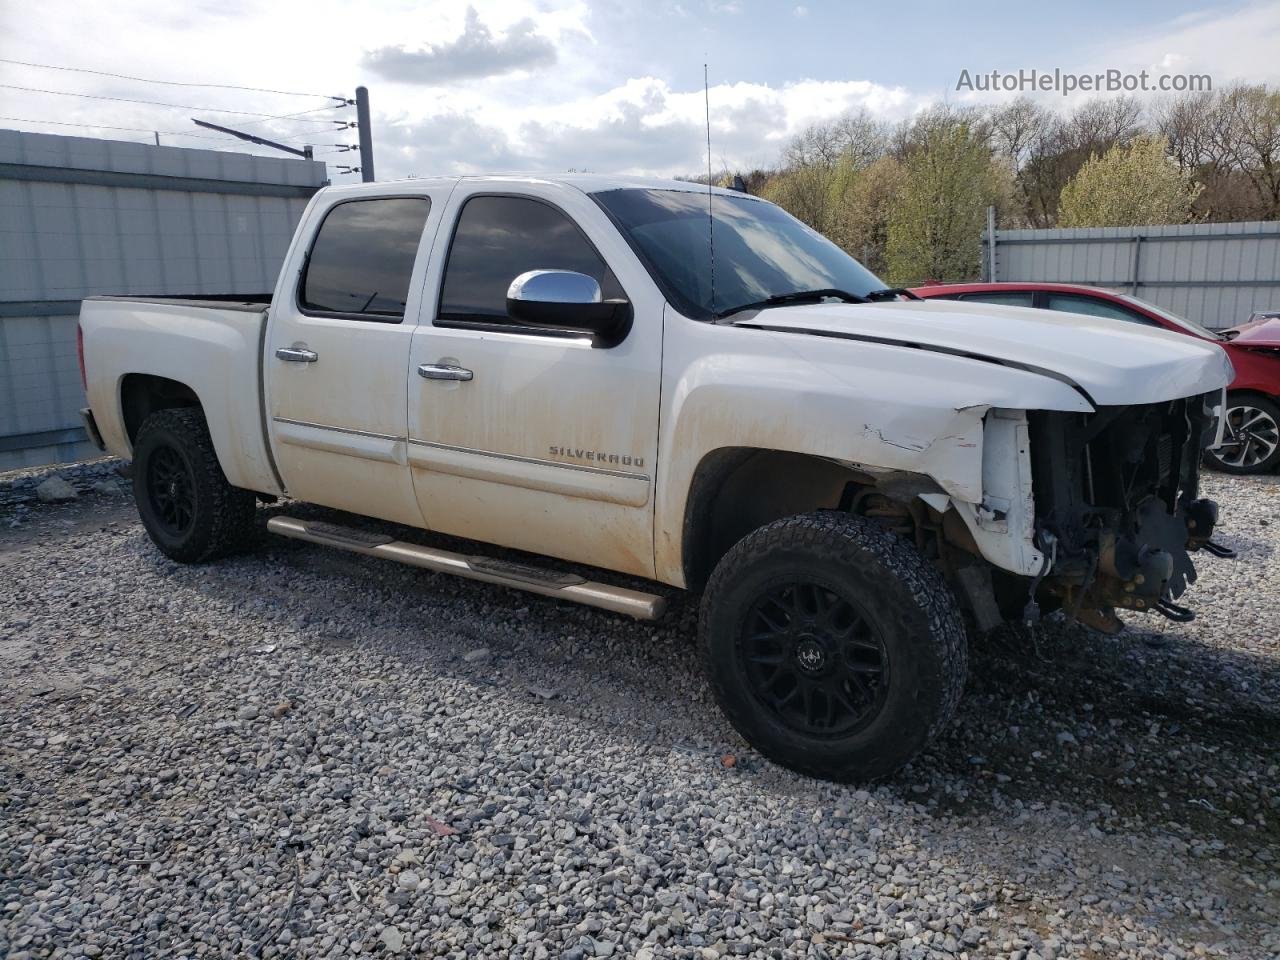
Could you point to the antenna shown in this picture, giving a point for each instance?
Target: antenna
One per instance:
(711, 220)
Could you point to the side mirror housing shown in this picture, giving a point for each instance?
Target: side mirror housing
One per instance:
(568, 301)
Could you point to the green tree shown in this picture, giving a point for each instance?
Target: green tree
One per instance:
(935, 225)
(1127, 186)
(860, 201)
(804, 192)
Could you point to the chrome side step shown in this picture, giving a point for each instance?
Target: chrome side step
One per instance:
(519, 576)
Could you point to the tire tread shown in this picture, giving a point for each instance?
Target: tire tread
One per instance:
(229, 524)
(855, 541)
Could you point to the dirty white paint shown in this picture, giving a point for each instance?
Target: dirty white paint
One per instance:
(213, 351)
(588, 454)
(1116, 363)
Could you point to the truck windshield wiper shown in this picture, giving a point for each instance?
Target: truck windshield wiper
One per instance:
(798, 296)
(892, 293)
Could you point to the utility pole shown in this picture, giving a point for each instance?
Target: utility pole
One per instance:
(366, 134)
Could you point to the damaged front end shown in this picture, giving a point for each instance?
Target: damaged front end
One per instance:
(1118, 507)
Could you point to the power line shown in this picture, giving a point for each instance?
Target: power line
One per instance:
(161, 103)
(291, 117)
(168, 83)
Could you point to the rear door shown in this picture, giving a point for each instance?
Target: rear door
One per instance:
(338, 348)
(549, 443)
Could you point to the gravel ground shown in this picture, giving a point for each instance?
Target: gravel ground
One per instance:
(307, 753)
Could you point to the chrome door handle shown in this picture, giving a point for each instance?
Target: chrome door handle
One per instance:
(443, 371)
(296, 355)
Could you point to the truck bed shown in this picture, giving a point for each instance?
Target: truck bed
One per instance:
(249, 302)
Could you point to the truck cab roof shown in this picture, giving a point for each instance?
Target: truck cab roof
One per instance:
(586, 182)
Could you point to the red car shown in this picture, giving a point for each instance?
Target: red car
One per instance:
(1252, 432)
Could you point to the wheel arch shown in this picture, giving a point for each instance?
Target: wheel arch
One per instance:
(737, 490)
(142, 394)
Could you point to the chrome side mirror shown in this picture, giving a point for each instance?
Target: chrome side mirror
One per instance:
(568, 301)
(554, 286)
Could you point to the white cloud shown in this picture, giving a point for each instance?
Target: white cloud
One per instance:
(616, 99)
(1238, 45)
(475, 53)
(642, 126)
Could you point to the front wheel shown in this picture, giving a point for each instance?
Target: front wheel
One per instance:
(833, 646)
(186, 504)
(1250, 436)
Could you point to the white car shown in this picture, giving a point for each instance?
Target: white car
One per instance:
(687, 386)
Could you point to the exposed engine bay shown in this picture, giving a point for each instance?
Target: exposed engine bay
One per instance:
(1118, 506)
(1108, 516)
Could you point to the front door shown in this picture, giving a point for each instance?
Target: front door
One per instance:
(337, 352)
(535, 441)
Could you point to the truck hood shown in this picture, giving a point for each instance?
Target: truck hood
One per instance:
(1110, 361)
(1260, 333)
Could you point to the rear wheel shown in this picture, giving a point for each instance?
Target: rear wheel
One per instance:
(186, 504)
(832, 646)
(1251, 436)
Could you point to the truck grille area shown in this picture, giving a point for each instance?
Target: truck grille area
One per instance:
(1118, 502)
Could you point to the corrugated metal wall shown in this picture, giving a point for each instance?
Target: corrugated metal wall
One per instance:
(1215, 273)
(80, 217)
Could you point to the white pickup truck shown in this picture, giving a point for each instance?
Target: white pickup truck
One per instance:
(686, 386)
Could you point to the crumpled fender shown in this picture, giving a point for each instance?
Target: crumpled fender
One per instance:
(875, 405)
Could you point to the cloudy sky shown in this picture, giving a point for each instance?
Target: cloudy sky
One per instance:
(607, 86)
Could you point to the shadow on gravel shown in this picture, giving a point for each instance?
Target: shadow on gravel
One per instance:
(1144, 728)
(1174, 734)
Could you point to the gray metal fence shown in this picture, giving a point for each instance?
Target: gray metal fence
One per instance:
(1215, 273)
(80, 217)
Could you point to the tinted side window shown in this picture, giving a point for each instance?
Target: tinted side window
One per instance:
(363, 256)
(499, 238)
(1096, 308)
(1007, 298)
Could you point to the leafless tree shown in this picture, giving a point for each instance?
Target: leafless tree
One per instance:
(1016, 128)
(1099, 124)
(858, 136)
(1252, 142)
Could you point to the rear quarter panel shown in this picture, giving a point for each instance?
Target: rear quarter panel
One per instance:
(216, 352)
(1256, 371)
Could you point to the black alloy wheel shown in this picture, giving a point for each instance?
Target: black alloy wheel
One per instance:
(190, 510)
(814, 660)
(833, 645)
(171, 490)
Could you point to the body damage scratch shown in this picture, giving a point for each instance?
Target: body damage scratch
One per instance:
(909, 443)
(912, 444)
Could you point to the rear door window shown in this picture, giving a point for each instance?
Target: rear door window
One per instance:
(1069, 303)
(362, 258)
(499, 238)
(1003, 298)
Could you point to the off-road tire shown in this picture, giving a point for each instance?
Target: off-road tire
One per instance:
(895, 590)
(223, 516)
(1269, 464)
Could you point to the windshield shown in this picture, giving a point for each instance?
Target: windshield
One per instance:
(760, 250)
(1189, 325)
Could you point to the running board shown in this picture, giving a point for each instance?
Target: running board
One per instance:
(519, 576)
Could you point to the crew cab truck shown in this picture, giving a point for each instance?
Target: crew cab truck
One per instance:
(688, 386)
